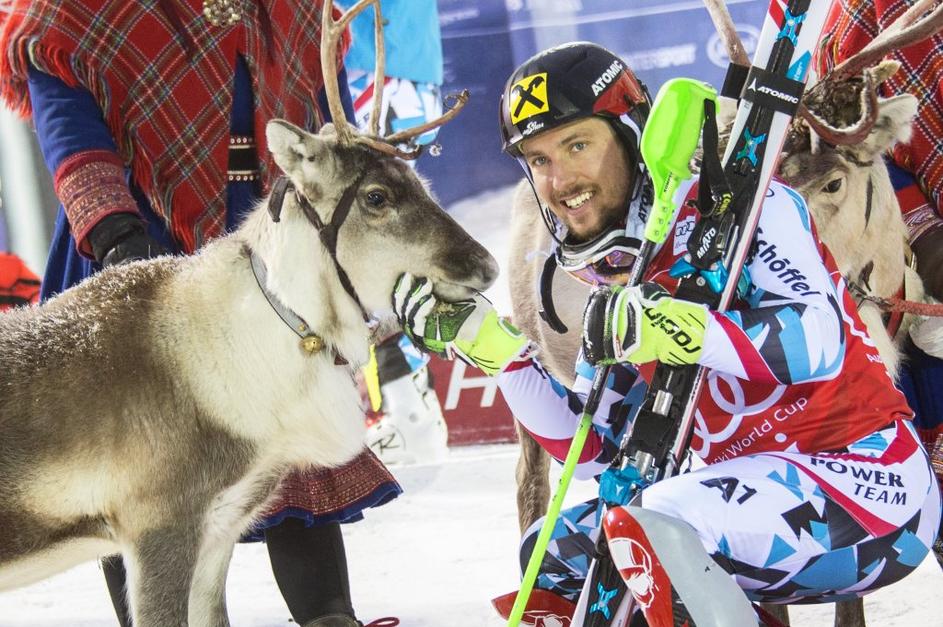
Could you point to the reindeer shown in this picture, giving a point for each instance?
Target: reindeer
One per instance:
(220, 370)
(870, 244)
(833, 157)
(867, 237)
(531, 249)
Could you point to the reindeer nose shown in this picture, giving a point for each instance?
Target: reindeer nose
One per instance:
(489, 270)
(475, 269)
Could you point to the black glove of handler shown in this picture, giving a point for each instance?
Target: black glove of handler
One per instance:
(122, 237)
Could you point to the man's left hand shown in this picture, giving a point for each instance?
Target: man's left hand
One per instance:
(642, 324)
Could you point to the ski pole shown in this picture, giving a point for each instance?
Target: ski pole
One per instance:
(673, 130)
(553, 512)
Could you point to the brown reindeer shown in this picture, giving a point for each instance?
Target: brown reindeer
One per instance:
(530, 247)
(223, 369)
(864, 134)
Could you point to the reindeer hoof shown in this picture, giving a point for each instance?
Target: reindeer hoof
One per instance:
(334, 620)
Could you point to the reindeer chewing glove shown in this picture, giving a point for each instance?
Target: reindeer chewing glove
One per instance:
(469, 329)
(642, 324)
(122, 237)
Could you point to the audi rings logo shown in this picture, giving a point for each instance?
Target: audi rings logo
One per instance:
(732, 400)
(717, 53)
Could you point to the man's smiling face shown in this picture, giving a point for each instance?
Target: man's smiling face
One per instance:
(582, 172)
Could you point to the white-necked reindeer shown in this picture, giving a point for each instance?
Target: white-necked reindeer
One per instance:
(857, 214)
(152, 409)
(848, 190)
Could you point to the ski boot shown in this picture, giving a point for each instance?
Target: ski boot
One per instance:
(409, 426)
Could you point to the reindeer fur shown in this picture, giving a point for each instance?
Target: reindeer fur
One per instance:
(530, 245)
(834, 180)
(152, 409)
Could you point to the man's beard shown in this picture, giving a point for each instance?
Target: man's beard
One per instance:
(615, 218)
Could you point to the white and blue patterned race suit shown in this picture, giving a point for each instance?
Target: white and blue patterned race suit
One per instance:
(816, 486)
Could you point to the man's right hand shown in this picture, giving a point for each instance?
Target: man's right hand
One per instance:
(121, 238)
(469, 329)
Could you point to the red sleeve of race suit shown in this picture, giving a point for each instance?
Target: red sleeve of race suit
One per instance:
(546, 409)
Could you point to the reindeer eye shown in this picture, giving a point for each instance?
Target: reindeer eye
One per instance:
(376, 198)
(832, 186)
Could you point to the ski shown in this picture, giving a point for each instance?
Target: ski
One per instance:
(543, 608)
(730, 199)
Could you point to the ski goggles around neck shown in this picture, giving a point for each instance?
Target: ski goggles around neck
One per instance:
(607, 261)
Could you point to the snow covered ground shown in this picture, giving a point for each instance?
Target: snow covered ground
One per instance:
(435, 556)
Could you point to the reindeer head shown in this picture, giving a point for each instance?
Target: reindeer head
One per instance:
(835, 176)
(849, 192)
(374, 215)
(393, 225)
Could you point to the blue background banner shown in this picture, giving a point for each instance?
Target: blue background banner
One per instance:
(484, 41)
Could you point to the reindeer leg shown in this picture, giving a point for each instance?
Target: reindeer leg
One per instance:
(533, 483)
(777, 611)
(219, 530)
(208, 589)
(849, 613)
(160, 568)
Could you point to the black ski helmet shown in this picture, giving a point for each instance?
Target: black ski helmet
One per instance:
(568, 82)
(561, 85)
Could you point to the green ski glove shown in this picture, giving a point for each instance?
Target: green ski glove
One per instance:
(469, 329)
(642, 324)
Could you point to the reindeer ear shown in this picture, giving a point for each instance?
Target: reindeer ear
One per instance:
(893, 125)
(281, 136)
(291, 145)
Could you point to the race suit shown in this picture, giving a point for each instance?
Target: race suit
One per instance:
(816, 487)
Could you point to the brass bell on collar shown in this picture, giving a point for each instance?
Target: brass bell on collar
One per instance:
(313, 344)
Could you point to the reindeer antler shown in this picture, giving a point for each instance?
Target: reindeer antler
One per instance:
(331, 32)
(909, 28)
(727, 32)
(850, 89)
(842, 111)
(852, 85)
